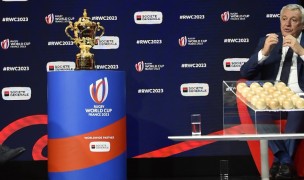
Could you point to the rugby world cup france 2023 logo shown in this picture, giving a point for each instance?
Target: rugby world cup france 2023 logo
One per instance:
(140, 66)
(5, 44)
(99, 90)
(49, 19)
(225, 16)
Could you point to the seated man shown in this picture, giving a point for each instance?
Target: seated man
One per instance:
(280, 57)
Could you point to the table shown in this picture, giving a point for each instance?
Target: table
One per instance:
(263, 138)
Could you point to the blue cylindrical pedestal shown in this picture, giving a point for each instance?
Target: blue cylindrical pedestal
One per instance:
(86, 125)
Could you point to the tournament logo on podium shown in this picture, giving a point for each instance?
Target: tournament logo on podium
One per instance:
(99, 90)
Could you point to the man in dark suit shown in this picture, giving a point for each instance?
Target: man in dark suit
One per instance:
(267, 64)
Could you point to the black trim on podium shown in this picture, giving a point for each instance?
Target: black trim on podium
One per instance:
(174, 167)
(171, 167)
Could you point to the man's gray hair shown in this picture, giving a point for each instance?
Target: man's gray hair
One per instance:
(294, 7)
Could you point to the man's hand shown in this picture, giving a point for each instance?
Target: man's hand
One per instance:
(292, 42)
(270, 42)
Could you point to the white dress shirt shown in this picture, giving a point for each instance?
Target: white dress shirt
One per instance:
(293, 76)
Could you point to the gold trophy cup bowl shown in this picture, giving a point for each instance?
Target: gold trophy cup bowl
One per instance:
(84, 38)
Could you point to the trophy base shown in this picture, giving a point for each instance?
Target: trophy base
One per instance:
(85, 64)
(84, 68)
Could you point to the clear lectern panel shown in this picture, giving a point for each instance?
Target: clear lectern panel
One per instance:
(257, 107)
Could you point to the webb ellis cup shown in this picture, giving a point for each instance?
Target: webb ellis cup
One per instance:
(84, 38)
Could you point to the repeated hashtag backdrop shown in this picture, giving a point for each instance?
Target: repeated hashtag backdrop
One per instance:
(176, 54)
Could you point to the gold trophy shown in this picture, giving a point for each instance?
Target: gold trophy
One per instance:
(84, 38)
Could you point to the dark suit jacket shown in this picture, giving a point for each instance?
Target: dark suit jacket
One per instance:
(269, 69)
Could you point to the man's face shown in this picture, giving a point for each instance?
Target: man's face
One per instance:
(291, 22)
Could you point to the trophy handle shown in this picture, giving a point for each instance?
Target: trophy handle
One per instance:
(99, 27)
(70, 26)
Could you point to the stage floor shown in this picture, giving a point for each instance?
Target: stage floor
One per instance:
(29, 170)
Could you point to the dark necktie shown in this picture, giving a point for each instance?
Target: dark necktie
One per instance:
(286, 66)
